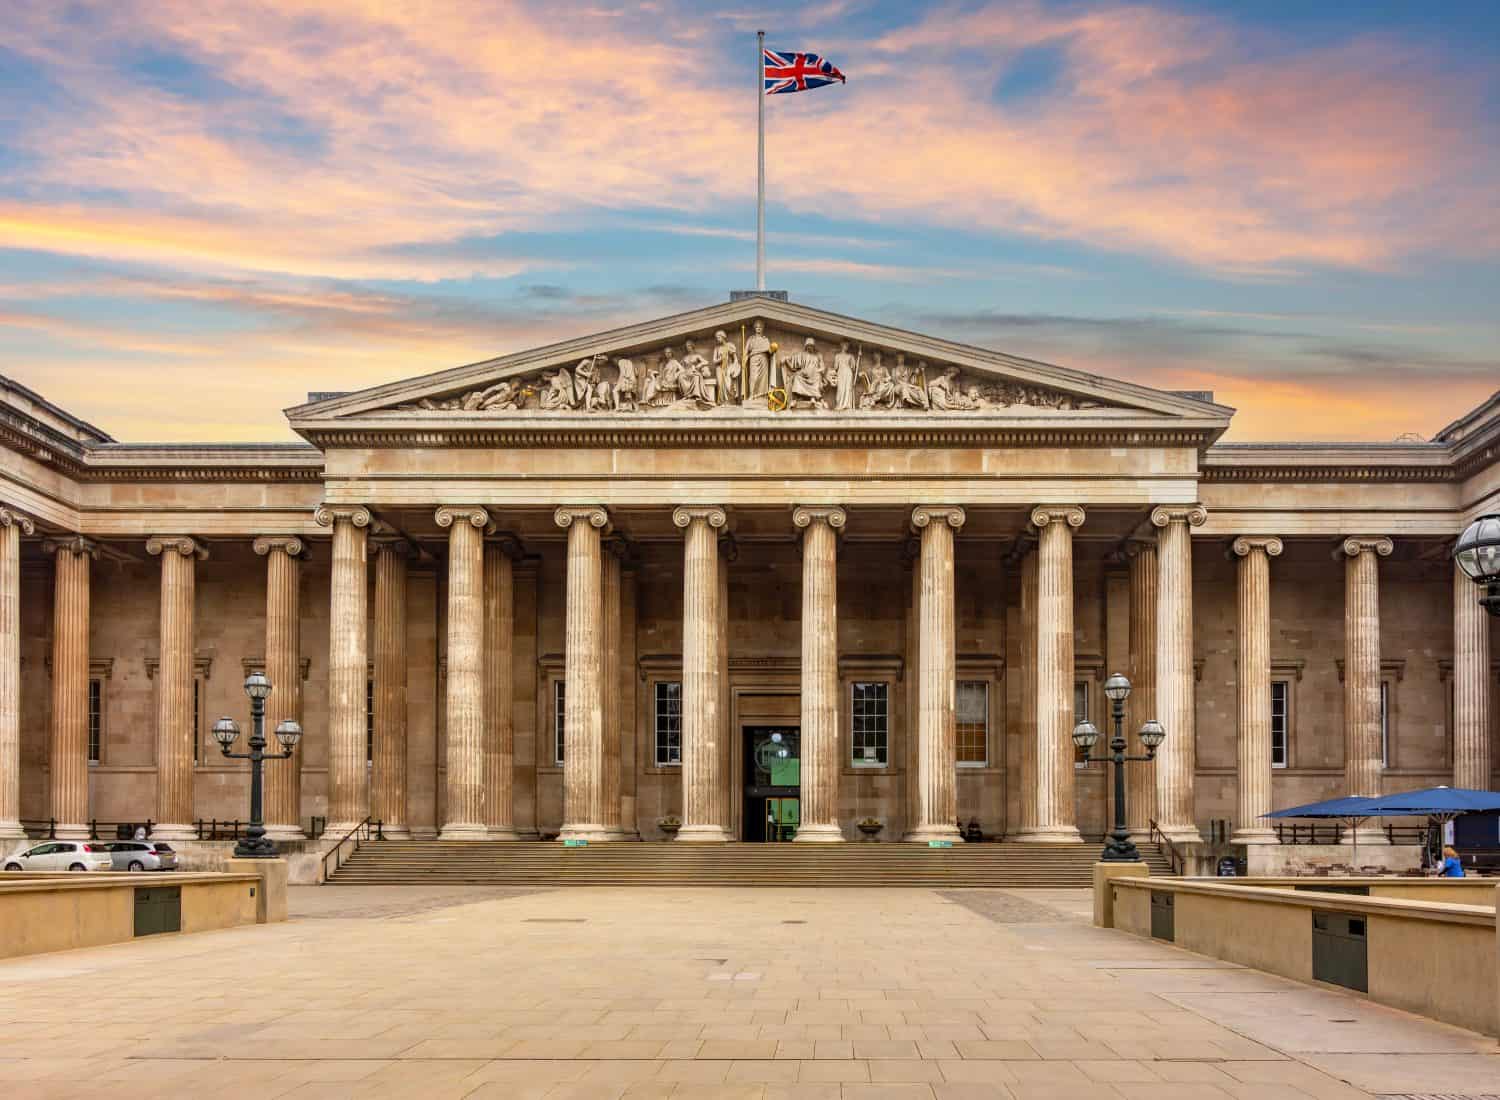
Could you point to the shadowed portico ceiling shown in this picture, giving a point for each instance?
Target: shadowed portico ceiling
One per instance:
(762, 372)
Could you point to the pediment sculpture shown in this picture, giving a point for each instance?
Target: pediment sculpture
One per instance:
(755, 372)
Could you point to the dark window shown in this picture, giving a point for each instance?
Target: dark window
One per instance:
(197, 693)
(96, 719)
(972, 728)
(869, 725)
(1385, 723)
(559, 715)
(161, 847)
(1080, 714)
(668, 722)
(1280, 722)
(369, 721)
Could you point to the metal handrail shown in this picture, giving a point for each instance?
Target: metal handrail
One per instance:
(1293, 833)
(49, 824)
(1175, 858)
(358, 834)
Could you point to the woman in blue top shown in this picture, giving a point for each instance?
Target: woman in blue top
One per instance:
(1452, 867)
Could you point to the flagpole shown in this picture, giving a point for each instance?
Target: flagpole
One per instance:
(760, 182)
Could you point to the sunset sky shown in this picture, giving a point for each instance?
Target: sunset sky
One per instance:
(208, 209)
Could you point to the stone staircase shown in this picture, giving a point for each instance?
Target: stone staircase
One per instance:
(394, 862)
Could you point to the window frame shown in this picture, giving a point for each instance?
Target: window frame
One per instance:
(559, 705)
(1082, 680)
(883, 758)
(984, 684)
(1286, 723)
(656, 723)
(95, 748)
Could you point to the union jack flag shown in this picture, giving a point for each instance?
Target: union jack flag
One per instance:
(797, 72)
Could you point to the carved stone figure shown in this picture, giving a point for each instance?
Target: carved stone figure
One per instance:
(807, 377)
(651, 392)
(589, 389)
(726, 368)
(698, 380)
(758, 352)
(845, 370)
(625, 386)
(910, 386)
(944, 392)
(502, 396)
(879, 389)
(671, 378)
(559, 393)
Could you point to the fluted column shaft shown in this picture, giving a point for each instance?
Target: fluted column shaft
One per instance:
(1362, 750)
(583, 724)
(1254, 787)
(702, 752)
(12, 524)
(388, 763)
(820, 674)
(1471, 686)
(69, 748)
(1176, 760)
(1029, 756)
(610, 776)
(1056, 816)
(937, 796)
(463, 817)
(282, 782)
(499, 689)
(910, 768)
(728, 551)
(174, 687)
(1140, 778)
(348, 667)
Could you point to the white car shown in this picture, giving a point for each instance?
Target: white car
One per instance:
(61, 855)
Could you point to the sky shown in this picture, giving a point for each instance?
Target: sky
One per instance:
(209, 209)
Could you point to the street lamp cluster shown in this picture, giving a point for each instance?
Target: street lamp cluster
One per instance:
(1477, 553)
(1119, 848)
(255, 844)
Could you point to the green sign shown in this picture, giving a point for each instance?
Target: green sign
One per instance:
(940, 844)
(575, 844)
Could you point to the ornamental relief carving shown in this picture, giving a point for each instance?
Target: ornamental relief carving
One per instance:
(756, 371)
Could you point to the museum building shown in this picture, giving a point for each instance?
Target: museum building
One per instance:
(754, 572)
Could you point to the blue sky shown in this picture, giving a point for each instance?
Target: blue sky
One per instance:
(207, 210)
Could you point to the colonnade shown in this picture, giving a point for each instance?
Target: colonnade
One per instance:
(479, 801)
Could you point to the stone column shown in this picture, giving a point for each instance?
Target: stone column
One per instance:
(69, 749)
(12, 524)
(1255, 554)
(937, 796)
(1056, 816)
(1176, 759)
(500, 688)
(728, 735)
(1028, 820)
(388, 764)
(911, 799)
(348, 666)
(282, 783)
(609, 676)
(1471, 686)
(820, 673)
(702, 750)
(1362, 756)
(464, 811)
(174, 686)
(1140, 778)
(583, 729)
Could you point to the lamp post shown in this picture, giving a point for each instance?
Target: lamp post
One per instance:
(1119, 848)
(255, 844)
(1477, 553)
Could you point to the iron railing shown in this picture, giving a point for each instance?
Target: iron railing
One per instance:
(1174, 857)
(1293, 833)
(46, 828)
(355, 836)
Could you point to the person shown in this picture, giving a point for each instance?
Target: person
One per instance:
(140, 832)
(1452, 866)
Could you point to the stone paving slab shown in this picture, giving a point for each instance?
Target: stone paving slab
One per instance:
(764, 993)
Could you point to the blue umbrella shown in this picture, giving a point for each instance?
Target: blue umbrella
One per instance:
(1352, 809)
(1442, 802)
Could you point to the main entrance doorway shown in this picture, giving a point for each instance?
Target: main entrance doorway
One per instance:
(773, 782)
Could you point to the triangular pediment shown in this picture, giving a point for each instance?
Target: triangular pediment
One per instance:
(762, 360)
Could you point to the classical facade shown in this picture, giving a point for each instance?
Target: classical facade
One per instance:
(758, 568)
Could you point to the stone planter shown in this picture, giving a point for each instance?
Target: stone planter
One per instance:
(669, 825)
(871, 829)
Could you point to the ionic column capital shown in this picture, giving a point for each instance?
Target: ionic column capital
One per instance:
(595, 515)
(9, 517)
(1070, 514)
(290, 545)
(449, 514)
(924, 514)
(328, 515)
(1355, 545)
(1194, 515)
(684, 514)
(1242, 546)
(185, 545)
(71, 544)
(803, 515)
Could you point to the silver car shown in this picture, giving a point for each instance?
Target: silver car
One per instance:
(61, 855)
(141, 855)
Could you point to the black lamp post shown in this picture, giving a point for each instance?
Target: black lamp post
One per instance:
(255, 844)
(1478, 554)
(1119, 848)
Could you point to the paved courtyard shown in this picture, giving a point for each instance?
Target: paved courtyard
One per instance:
(890, 994)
